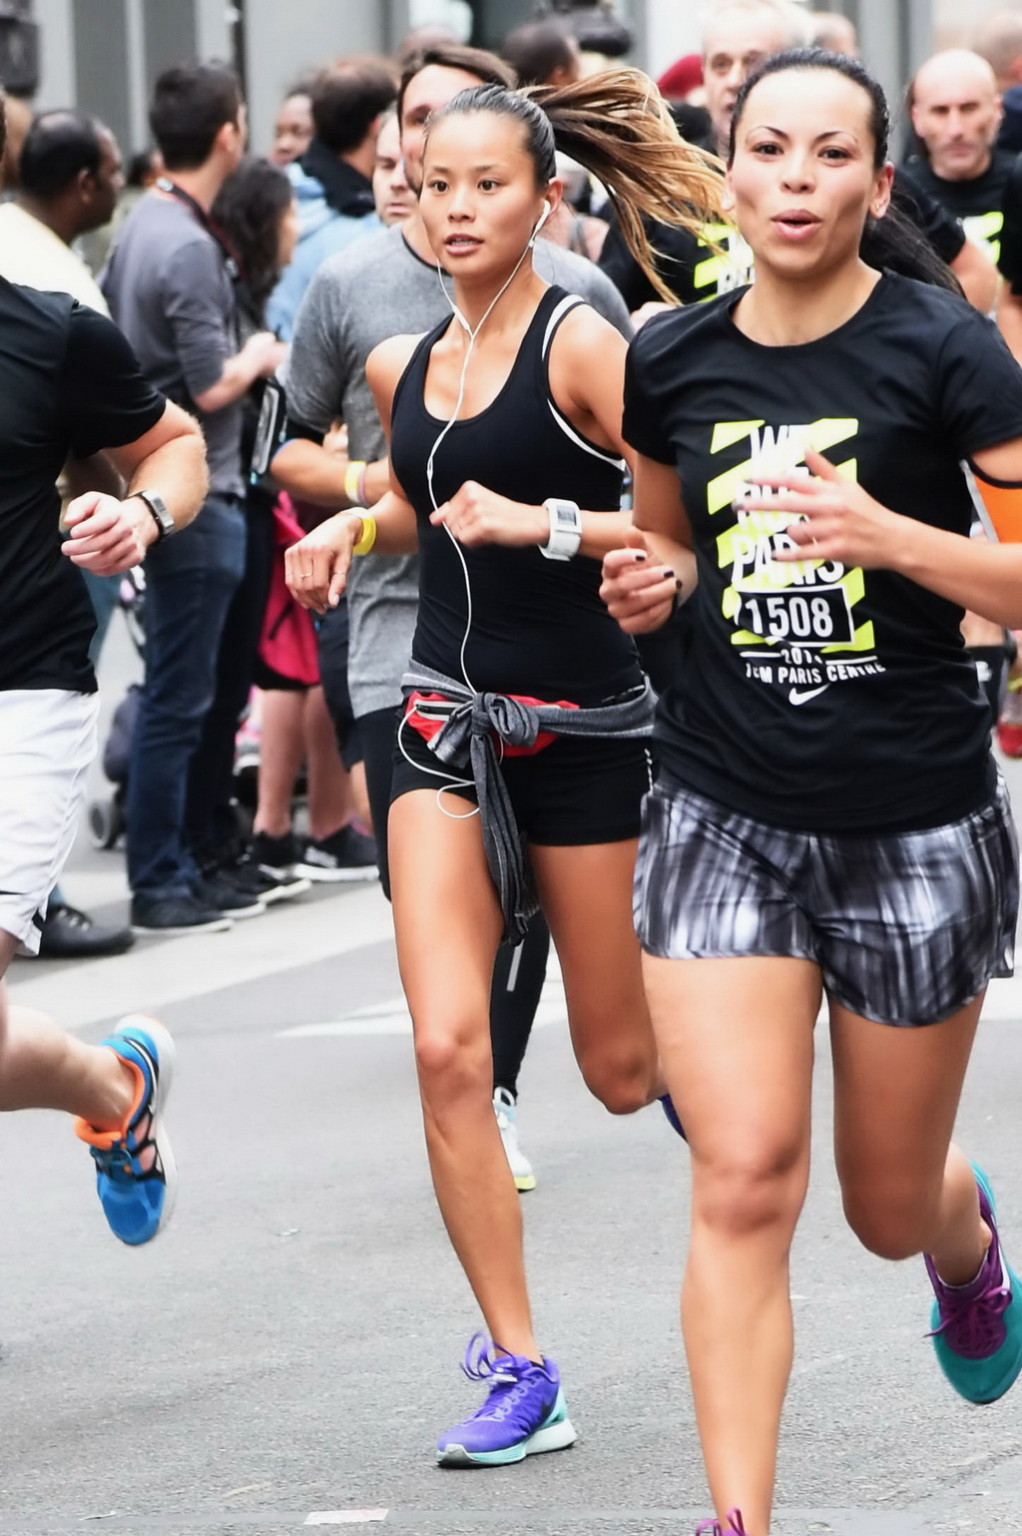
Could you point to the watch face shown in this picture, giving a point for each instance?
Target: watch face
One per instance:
(565, 516)
(158, 507)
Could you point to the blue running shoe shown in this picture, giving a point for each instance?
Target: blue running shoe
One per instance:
(524, 1412)
(977, 1328)
(673, 1118)
(135, 1175)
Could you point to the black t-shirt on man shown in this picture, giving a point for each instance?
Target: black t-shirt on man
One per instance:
(816, 696)
(977, 204)
(69, 384)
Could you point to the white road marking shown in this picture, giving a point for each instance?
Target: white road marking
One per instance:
(392, 1018)
(346, 1516)
(154, 974)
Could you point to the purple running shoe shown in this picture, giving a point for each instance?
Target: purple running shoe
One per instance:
(524, 1412)
(734, 1526)
(977, 1328)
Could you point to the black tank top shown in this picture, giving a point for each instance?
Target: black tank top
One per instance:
(538, 627)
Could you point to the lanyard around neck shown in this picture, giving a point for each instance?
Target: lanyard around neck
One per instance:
(201, 217)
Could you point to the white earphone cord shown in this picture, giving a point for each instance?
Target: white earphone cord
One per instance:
(451, 781)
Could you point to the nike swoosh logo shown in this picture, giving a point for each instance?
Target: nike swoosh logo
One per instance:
(803, 695)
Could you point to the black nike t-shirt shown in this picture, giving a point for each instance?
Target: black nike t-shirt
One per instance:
(693, 266)
(718, 260)
(977, 204)
(69, 384)
(819, 696)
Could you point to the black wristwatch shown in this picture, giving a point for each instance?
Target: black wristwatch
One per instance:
(158, 507)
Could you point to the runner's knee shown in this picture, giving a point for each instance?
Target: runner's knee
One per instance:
(739, 1193)
(452, 1054)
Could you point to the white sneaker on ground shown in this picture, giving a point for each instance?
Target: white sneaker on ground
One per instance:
(506, 1111)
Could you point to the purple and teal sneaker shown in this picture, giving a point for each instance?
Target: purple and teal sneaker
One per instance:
(135, 1175)
(734, 1526)
(524, 1412)
(977, 1328)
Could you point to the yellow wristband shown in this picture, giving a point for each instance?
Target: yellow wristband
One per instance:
(368, 536)
(352, 475)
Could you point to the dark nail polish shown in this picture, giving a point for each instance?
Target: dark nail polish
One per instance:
(667, 572)
(638, 554)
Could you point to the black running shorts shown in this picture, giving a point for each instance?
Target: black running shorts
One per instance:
(578, 790)
(906, 927)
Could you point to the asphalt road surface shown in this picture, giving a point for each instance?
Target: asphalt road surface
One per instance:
(287, 1352)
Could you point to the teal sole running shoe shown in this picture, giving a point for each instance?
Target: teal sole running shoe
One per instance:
(524, 1413)
(977, 1328)
(136, 1179)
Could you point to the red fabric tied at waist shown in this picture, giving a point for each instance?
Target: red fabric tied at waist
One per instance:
(428, 722)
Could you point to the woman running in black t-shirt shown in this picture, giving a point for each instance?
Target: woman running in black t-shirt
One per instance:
(503, 421)
(828, 820)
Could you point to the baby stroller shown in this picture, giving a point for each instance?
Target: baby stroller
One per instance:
(105, 817)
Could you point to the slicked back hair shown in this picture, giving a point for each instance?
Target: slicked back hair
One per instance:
(486, 66)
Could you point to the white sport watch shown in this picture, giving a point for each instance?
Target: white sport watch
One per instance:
(565, 529)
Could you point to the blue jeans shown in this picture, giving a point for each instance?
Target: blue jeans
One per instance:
(190, 580)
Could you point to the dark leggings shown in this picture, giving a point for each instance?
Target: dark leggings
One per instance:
(519, 969)
(518, 975)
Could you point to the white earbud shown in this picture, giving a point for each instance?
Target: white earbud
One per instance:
(548, 209)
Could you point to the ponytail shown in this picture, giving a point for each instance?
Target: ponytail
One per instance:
(617, 126)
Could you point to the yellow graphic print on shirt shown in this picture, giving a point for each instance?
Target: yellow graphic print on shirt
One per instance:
(985, 230)
(728, 263)
(794, 622)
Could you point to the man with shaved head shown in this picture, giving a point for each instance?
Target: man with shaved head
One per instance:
(956, 112)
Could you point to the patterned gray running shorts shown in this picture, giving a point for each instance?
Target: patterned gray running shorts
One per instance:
(906, 927)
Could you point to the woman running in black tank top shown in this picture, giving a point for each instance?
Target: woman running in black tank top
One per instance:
(517, 404)
(537, 625)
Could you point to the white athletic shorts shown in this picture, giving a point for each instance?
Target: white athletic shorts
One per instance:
(47, 741)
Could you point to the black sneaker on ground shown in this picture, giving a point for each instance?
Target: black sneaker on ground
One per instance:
(170, 915)
(249, 874)
(345, 855)
(276, 855)
(237, 864)
(222, 895)
(68, 934)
